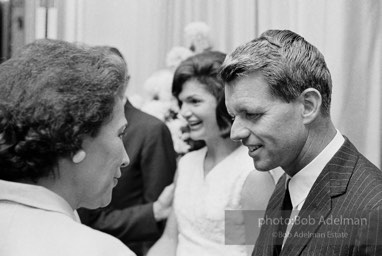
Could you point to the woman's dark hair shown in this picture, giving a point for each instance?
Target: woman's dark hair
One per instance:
(52, 95)
(204, 68)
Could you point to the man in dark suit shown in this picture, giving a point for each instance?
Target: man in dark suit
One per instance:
(329, 201)
(138, 207)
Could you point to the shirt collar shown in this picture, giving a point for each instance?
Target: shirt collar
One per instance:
(37, 197)
(301, 183)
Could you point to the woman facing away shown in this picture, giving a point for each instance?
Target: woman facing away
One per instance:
(61, 124)
(215, 179)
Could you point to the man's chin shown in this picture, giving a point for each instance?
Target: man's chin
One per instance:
(261, 167)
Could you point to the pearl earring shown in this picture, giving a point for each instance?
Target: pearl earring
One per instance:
(79, 157)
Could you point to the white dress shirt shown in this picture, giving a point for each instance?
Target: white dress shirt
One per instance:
(35, 221)
(302, 182)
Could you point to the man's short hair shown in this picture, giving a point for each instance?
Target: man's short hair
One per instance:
(287, 62)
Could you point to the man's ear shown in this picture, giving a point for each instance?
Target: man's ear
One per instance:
(311, 100)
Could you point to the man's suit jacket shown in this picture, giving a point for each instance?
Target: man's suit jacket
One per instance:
(341, 215)
(129, 216)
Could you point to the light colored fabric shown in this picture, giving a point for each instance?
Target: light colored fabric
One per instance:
(200, 202)
(34, 221)
(153, 28)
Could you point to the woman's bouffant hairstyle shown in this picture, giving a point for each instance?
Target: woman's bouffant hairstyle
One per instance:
(52, 95)
(204, 68)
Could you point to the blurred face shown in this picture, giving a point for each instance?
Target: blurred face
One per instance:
(198, 107)
(272, 129)
(105, 155)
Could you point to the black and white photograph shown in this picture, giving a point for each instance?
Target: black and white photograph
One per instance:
(190, 127)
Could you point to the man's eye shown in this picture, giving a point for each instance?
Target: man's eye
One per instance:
(253, 116)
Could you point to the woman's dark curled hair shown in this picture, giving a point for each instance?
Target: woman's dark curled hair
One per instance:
(52, 95)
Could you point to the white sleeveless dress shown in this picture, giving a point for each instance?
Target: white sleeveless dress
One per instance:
(200, 202)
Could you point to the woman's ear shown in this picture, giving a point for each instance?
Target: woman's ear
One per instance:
(79, 156)
(311, 100)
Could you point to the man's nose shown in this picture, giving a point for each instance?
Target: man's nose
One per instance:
(238, 130)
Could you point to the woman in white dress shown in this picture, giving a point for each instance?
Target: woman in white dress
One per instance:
(214, 181)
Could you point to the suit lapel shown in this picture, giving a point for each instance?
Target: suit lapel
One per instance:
(317, 205)
(266, 239)
(332, 181)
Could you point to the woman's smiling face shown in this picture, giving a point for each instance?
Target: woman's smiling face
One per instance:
(198, 107)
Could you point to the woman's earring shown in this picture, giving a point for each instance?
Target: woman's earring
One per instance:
(79, 157)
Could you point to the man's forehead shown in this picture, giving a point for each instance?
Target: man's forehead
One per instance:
(237, 102)
(237, 89)
(247, 96)
(231, 87)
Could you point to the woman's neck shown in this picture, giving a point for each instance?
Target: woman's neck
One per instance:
(54, 185)
(217, 150)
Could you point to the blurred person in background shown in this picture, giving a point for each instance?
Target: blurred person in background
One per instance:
(61, 128)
